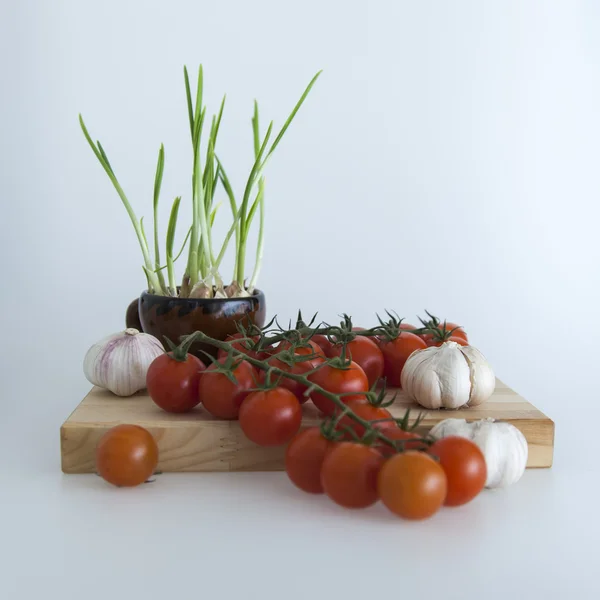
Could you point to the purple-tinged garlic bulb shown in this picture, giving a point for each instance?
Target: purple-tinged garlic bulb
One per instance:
(120, 361)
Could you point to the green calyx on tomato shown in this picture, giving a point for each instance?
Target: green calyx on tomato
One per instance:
(390, 330)
(437, 331)
(179, 353)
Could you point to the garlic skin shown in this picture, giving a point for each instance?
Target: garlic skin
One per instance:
(450, 376)
(119, 362)
(503, 445)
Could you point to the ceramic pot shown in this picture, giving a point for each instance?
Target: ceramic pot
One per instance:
(163, 316)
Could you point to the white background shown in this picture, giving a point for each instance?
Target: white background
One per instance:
(447, 159)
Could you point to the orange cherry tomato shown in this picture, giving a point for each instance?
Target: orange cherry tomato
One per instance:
(126, 455)
(412, 485)
(349, 474)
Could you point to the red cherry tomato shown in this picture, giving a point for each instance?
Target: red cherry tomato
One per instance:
(173, 384)
(308, 347)
(450, 327)
(338, 381)
(270, 417)
(299, 368)
(242, 347)
(304, 458)
(349, 474)
(396, 353)
(368, 412)
(322, 341)
(464, 465)
(365, 353)
(221, 397)
(432, 342)
(395, 434)
(402, 326)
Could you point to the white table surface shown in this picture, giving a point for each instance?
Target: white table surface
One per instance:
(253, 535)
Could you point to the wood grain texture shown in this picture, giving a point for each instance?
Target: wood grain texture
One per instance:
(196, 441)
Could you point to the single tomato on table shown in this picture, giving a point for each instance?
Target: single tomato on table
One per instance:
(270, 417)
(412, 485)
(465, 468)
(349, 474)
(222, 397)
(126, 455)
(365, 353)
(396, 353)
(338, 381)
(304, 458)
(172, 381)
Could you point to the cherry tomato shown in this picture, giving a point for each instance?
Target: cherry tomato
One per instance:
(465, 468)
(349, 474)
(412, 485)
(299, 368)
(394, 434)
(433, 342)
(242, 347)
(338, 381)
(270, 417)
(365, 353)
(126, 455)
(458, 332)
(402, 326)
(322, 341)
(396, 353)
(307, 347)
(173, 384)
(304, 458)
(363, 409)
(221, 397)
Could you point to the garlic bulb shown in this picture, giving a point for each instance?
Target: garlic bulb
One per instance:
(503, 445)
(449, 376)
(120, 361)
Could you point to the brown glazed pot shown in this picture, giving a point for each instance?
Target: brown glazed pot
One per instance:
(217, 317)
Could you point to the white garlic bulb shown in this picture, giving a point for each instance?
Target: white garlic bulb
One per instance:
(120, 361)
(449, 376)
(503, 445)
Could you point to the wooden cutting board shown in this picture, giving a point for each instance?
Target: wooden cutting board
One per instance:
(196, 441)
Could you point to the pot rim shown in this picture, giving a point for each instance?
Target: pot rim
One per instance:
(257, 295)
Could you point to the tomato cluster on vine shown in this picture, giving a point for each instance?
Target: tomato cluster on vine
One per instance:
(361, 453)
